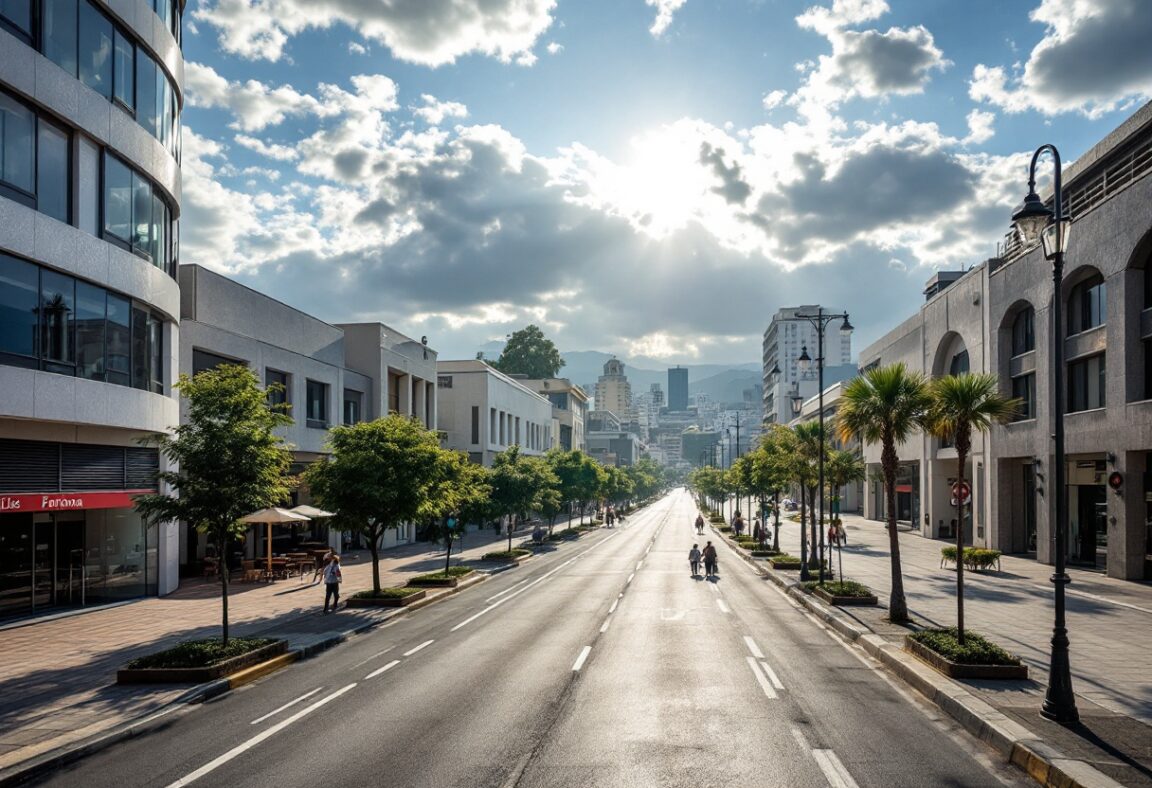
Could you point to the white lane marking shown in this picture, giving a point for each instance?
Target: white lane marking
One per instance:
(497, 604)
(378, 671)
(629, 580)
(760, 679)
(604, 626)
(798, 735)
(615, 602)
(756, 652)
(380, 653)
(640, 563)
(723, 606)
(506, 590)
(287, 705)
(240, 749)
(772, 675)
(712, 587)
(834, 771)
(425, 644)
(579, 663)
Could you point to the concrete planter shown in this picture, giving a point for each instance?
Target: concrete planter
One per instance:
(447, 582)
(201, 675)
(386, 601)
(796, 565)
(844, 601)
(955, 670)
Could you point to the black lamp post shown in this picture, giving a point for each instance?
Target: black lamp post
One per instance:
(820, 321)
(797, 406)
(1035, 220)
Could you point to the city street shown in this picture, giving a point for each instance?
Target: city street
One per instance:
(601, 664)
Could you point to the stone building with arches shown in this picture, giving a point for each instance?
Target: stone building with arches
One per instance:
(996, 317)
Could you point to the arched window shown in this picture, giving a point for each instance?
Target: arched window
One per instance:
(959, 364)
(1023, 332)
(1087, 305)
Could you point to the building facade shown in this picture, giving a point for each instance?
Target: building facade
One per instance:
(402, 371)
(784, 340)
(614, 392)
(90, 99)
(851, 496)
(678, 388)
(483, 412)
(569, 411)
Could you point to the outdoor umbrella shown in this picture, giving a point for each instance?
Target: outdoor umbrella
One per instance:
(311, 511)
(271, 516)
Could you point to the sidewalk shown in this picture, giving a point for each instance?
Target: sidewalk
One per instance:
(1109, 624)
(59, 676)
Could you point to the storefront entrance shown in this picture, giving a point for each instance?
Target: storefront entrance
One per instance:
(1088, 540)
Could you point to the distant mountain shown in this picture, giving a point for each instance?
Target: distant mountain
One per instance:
(727, 386)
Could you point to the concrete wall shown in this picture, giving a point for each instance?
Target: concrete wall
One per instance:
(474, 383)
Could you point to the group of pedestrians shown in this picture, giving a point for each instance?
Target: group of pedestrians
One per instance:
(707, 555)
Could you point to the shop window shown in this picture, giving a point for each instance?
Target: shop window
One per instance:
(124, 72)
(91, 309)
(19, 298)
(1023, 332)
(276, 382)
(1086, 381)
(1024, 389)
(1087, 305)
(317, 404)
(353, 407)
(118, 335)
(95, 53)
(59, 33)
(17, 149)
(52, 172)
(16, 16)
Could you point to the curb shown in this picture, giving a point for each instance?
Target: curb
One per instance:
(1043, 763)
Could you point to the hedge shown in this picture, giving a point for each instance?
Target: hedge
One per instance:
(975, 651)
(975, 558)
(387, 593)
(505, 555)
(199, 653)
(841, 588)
(453, 571)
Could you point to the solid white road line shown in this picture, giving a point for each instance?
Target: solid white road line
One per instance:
(640, 563)
(760, 679)
(771, 675)
(630, 578)
(378, 671)
(497, 604)
(289, 704)
(756, 652)
(798, 735)
(579, 663)
(834, 771)
(507, 590)
(380, 653)
(712, 587)
(615, 602)
(215, 764)
(723, 606)
(604, 626)
(425, 644)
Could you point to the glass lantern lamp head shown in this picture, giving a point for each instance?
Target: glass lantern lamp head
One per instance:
(1054, 238)
(846, 327)
(797, 405)
(804, 361)
(1031, 218)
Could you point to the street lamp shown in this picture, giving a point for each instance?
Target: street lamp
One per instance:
(1035, 220)
(797, 406)
(820, 321)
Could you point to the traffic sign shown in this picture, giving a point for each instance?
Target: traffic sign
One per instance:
(962, 491)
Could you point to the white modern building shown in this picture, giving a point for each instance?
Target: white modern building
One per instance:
(90, 100)
(785, 340)
(402, 370)
(483, 411)
(614, 392)
(569, 410)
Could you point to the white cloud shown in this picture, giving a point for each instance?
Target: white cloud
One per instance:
(665, 11)
(356, 48)
(1094, 58)
(843, 13)
(554, 48)
(253, 104)
(434, 112)
(980, 127)
(271, 150)
(428, 32)
(774, 99)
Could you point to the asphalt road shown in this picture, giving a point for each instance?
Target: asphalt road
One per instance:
(601, 664)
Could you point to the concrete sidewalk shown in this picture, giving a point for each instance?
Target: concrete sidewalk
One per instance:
(59, 675)
(1109, 624)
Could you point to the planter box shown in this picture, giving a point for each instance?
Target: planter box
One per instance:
(786, 564)
(386, 601)
(447, 582)
(844, 601)
(201, 675)
(762, 553)
(956, 670)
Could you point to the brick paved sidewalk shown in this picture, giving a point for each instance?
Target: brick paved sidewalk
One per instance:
(59, 675)
(1109, 620)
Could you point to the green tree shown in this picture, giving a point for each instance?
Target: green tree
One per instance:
(616, 486)
(773, 461)
(647, 477)
(529, 352)
(380, 474)
(520, 484)
(886, 405)
(962, 404)
(841, 468)
(461, 491)
(580, 477)
(229, 461)
(808, 440)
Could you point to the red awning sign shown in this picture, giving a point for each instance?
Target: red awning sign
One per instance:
(906, 488)
(68, 501)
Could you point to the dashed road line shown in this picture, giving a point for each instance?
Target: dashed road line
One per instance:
(629, 580)
(287, 705)
(384, 669)
(507, 590)
(604, 626)
(771, 675)
(723, 606)
(423, 645)
(834, 771)
(761, 679)
(579, 663)
(497, 604)
(615, 602)
(756, 652)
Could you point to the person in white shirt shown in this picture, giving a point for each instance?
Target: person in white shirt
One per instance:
(332, 579)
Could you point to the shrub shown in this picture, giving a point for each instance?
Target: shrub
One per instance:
(975, 651)
(764, 553)
(725, 529)
(841, 588)
(785, 558)
(975, 558)
(505, 555)
(199, 653)
(565, 534)
(453, 571)
(387, 593)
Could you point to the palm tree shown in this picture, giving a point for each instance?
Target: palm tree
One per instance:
(809, 441)
(960, 405)
(886, 405)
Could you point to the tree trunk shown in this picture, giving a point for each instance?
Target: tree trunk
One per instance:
(374, 549)
(803, 527)
(813, 555)
(224, 591)
(962, 447)
(510, 521)
(448, 555)
(776, 518)
(897, 604)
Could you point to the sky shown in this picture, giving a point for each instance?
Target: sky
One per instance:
(642, 177)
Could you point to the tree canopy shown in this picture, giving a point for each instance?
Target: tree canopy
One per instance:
(529, 352)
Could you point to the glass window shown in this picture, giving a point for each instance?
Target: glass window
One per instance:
(17, 145)
(141, 214)
(117, 199)
(164, 109)
(52, 172)
(158, 248)
(58, 32)
(19, 298)
(95, 50)
(124, 72)
(1087, 305)
(1024, 389)
(959, 363)
(1148, 284)
(274, 377)
(141, 378)
(17, 13)
(1086, 381)
(156, 353)
(90, 319)
(146, 92)
(1023, 333)
(88, 180)
(202, 361)
(164, 11)
(317, 404)
(119, 339)
(1148, 369)
(57, 320)
(475, 424)
(353, 403)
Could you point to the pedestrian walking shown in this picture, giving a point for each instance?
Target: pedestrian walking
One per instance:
(709, 560)
(332, 579)
(738, 525)
(700, 524)
(610, 518)
(757, 531)
(322, 564)
(694, 559)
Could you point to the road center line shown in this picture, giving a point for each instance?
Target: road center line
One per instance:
(612, 609)
(723, 606)
(756, 652)
(630, 578)
(771, 675)
(640, 563)
(497, 604)
(834, 771)
(712, 587)
(579, 663)
(378, 671)
(215, 764)
(423, 645)
(507, 590)
(760, 678)
(604, 626)
(289, 704)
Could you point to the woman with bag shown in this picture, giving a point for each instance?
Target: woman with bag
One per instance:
(694, 559)
(709, 560)
(332, 579)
